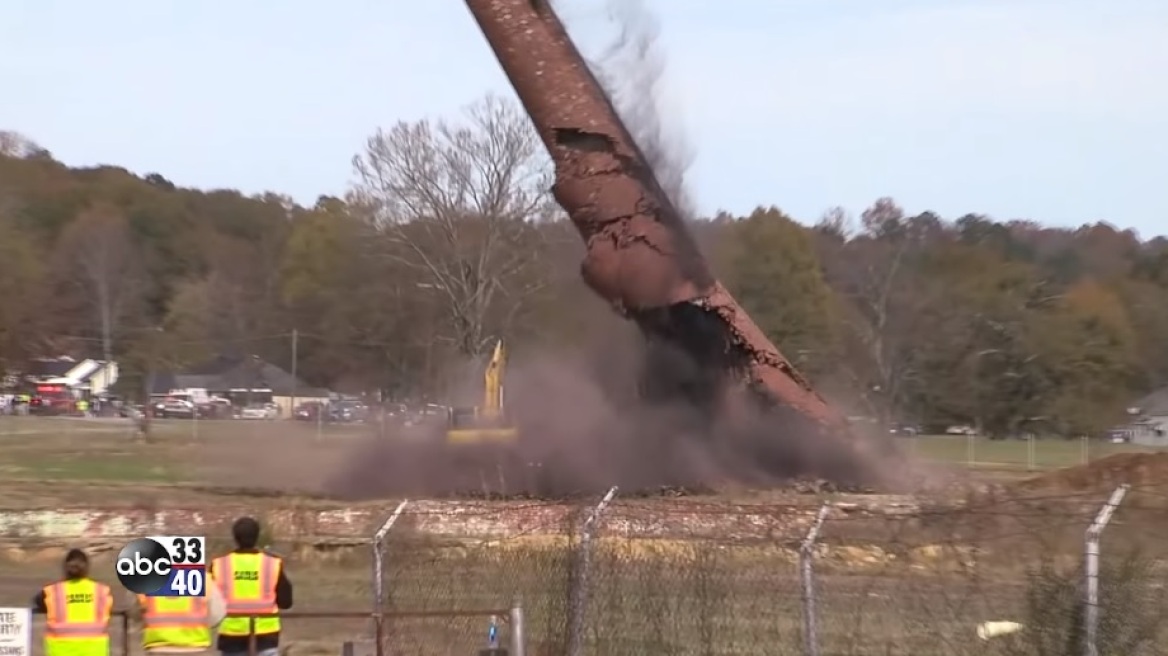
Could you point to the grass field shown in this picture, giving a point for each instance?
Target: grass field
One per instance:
(283, 454)
(1039, 454)
(103, 450)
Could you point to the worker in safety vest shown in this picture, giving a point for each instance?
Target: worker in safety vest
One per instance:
(77, 611)
(253, 583)
(180, 625)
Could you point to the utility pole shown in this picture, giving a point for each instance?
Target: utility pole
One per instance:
(321, 408)
(295, 379)
(152, 348)
(147, 409)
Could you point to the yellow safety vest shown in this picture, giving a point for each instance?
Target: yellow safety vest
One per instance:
(248, 584)
(175, 622)
(77, 621)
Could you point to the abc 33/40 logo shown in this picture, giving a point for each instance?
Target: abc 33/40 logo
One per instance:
(167, 566)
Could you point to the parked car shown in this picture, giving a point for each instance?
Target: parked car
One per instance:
(905, 430)
(395, 412)
(156, 405)
(176, 408)
(307, 411)
(430, 413)
(216, 408)
(1120, 435)
(46, 406)
(260, 411)
(347, 412)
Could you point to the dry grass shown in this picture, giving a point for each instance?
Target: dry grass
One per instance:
(68, 460)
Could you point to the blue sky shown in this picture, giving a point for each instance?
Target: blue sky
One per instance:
(1052, 110)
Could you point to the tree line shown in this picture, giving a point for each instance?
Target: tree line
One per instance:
(448, 240)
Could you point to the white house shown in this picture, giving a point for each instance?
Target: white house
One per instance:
(1150, 419)
(81, 377)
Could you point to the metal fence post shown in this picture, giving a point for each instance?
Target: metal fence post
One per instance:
(579, 595)
(252, 649)
(518, 637)
(125, 633)
(807, 578)
(1094, 533)
(378, 586)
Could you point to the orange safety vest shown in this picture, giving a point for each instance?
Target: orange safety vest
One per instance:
(248, 584)
(175, 622)
(77, 618)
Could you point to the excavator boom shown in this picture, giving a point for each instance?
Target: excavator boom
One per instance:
(493, 384)
(485, 424)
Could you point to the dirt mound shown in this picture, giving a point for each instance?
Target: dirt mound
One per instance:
(1143, 471)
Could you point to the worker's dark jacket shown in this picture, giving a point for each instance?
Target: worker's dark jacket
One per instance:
(39, 607)
(238, 644)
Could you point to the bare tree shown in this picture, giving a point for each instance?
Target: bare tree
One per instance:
(455, 203)
(96, 256)
(835, 223)
(870, 270)
(15, 144)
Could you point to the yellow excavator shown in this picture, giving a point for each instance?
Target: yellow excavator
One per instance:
(485, 424)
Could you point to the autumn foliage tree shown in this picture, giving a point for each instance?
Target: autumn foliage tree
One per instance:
(22, 278)
(770, 263)
(448, 240)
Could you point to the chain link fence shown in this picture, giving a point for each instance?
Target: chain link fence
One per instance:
(1037, 576)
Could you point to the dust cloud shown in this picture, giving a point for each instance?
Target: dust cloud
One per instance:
(631, 66)
(617, 412)
(624, 410)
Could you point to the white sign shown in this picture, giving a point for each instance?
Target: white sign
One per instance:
(15, 632)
